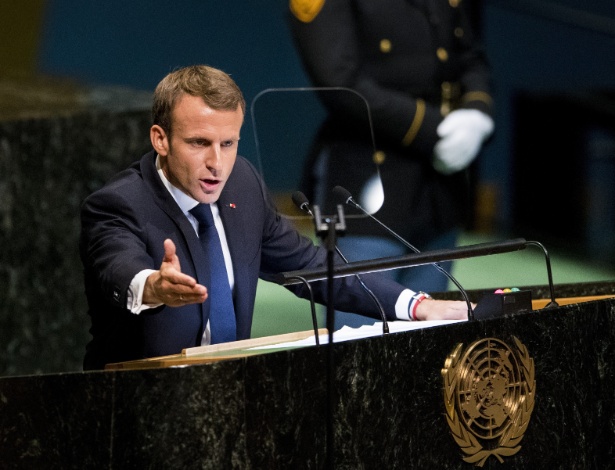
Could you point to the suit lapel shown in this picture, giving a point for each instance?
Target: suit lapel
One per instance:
(165, 202)
(232, 215)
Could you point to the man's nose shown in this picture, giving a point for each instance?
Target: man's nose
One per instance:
(214, 156)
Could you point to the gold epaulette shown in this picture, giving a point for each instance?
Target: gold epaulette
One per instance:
(306, 10)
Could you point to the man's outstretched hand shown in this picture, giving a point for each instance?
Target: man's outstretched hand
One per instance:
(169, 285)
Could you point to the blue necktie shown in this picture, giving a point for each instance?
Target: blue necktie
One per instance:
(221, 311)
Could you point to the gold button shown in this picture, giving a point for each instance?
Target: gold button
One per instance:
(442, 54)
(379, 157)
(454, 3)
(385, 46)
(458, 32)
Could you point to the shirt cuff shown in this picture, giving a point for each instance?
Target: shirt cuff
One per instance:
(403, 304)
(416, 300)
(134, 298)
(407, 302)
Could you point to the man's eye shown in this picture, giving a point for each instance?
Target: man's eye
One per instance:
(228, 143)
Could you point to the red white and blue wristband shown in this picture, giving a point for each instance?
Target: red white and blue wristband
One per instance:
(417, 298)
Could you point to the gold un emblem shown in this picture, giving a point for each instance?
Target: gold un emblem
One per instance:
(489, 393)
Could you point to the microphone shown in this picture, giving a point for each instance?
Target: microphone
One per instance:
(301, 201)
(344, 195)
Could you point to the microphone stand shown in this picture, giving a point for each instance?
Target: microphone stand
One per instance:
(553, 302)
(302, 203)
(327, 229)
(314, 319)
(343, 194)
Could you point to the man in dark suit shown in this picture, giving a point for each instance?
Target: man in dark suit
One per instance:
(146, 272)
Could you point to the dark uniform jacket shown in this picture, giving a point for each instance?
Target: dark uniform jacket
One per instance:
(124, 225)
(413, 61)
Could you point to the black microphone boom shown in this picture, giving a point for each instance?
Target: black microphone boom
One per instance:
(406, 261)
(301, 201)
(344, 195)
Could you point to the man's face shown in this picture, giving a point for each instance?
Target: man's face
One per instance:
(200, 154)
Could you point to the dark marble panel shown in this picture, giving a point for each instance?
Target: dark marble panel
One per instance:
(56, 421)
(370, 403)
(47, 167)
(568, 346)
(287, 409)
(390, 413)
(189, 418)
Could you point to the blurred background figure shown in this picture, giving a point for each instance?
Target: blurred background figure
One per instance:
(421, 68)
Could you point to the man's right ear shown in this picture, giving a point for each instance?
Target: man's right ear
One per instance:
(159, 140)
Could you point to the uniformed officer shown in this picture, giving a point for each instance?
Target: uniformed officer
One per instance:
(426, 79)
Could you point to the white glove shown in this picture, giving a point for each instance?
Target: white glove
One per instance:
(372, 194)
(461, 133)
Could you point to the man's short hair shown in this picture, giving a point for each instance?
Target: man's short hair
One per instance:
(217, 89)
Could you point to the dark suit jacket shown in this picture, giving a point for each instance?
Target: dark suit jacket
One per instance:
(124, 225)
(405, 57)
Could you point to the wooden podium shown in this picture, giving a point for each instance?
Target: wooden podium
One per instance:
(386, 405)
(214, 353)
